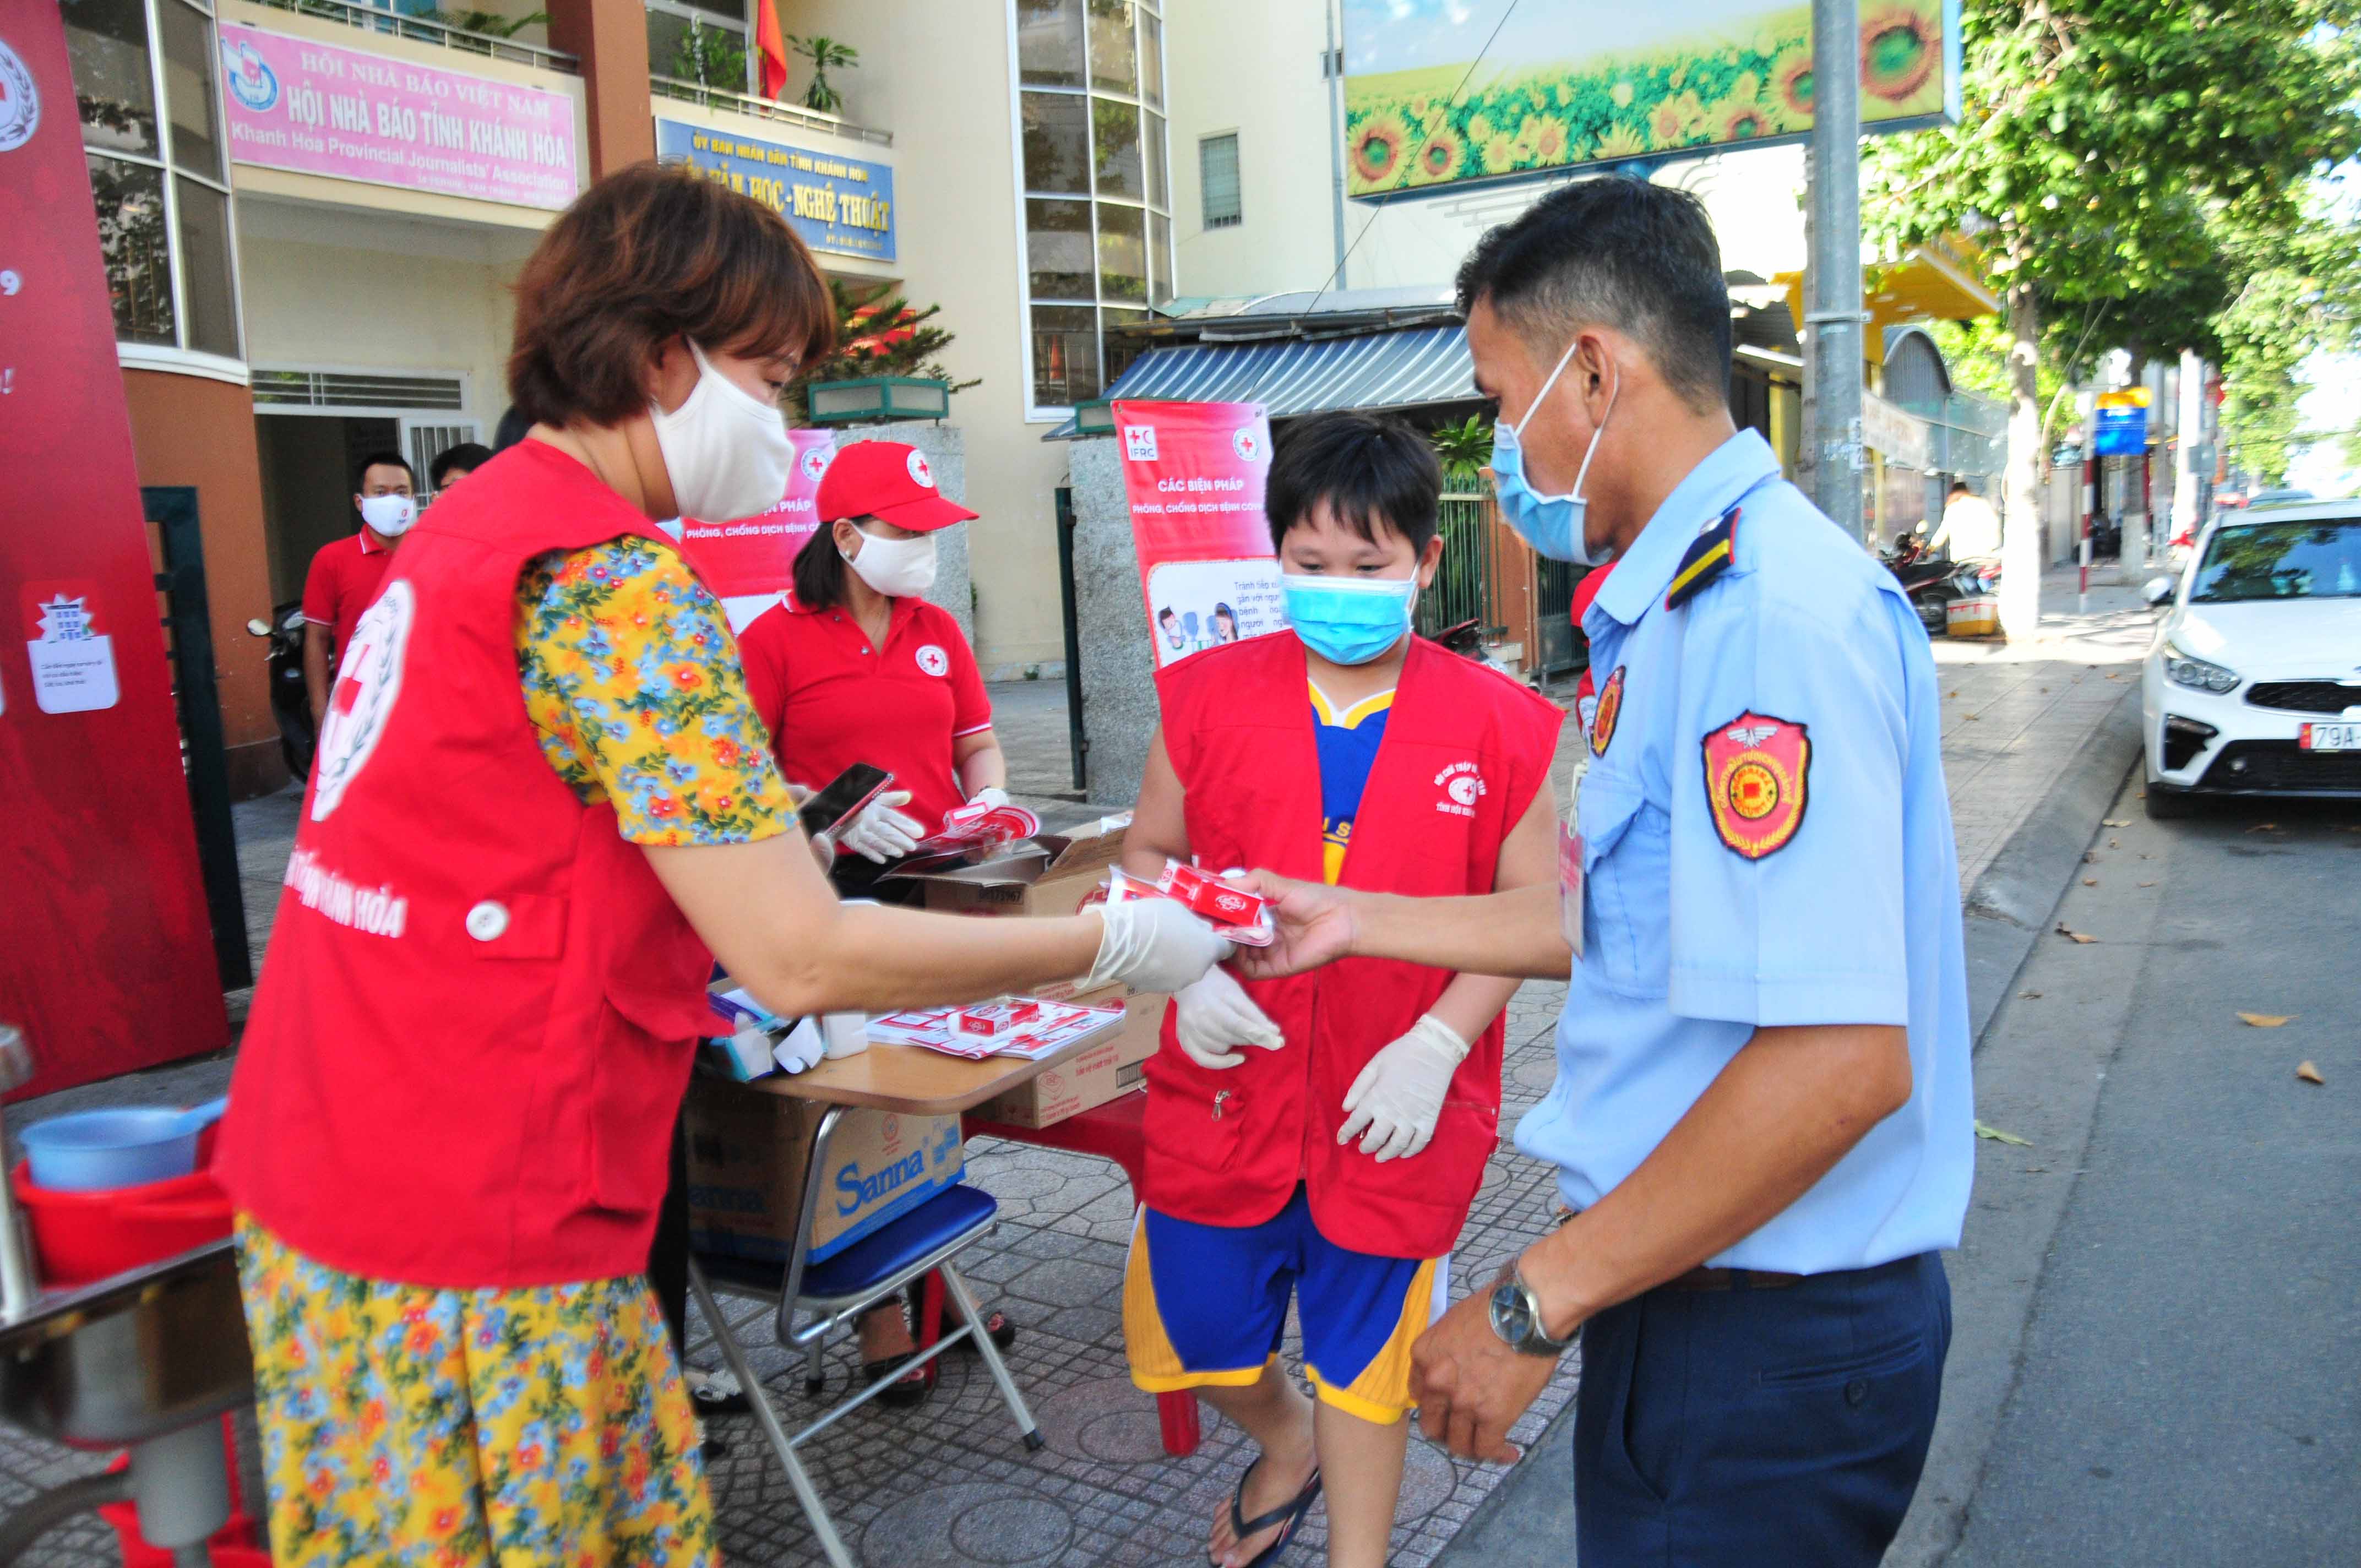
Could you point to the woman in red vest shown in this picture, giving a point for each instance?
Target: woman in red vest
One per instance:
(1337, 1161)
(542, 807)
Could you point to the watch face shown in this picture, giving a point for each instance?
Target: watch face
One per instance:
(1512, 1318)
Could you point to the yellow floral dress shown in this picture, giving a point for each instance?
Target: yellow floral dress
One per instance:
(545, 1427)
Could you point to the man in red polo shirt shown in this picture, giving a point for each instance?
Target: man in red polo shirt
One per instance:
(344, 577)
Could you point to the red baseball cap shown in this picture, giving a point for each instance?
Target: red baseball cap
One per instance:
(890, 481)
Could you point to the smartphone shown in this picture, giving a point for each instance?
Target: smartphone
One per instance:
(843, 798)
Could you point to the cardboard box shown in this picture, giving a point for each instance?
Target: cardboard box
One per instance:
(748, 1151)
(1088, 1078)
(1047, 876)
(1977, 617)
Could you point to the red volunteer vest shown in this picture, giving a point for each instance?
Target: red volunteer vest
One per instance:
(1466, 750)
(479, 1006)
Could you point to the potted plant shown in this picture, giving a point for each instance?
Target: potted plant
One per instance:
(826, 55)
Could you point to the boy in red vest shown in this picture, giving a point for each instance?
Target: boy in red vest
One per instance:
(1336, 1161)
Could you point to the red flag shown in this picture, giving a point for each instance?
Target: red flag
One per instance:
(772, 47)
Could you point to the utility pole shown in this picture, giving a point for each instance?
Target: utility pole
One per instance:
(1332, 66)
(1832, 315)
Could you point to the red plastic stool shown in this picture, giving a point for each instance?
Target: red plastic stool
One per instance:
(1112, 1131)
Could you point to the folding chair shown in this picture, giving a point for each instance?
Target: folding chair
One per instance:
(836, 1292)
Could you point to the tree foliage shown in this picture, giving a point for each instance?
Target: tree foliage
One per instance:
(880, 335)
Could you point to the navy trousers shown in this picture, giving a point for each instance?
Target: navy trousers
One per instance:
(1759, 1426)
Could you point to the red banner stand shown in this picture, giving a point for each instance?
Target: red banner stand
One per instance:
(106, 958)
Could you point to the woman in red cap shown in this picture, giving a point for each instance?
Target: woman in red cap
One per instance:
(857, 667)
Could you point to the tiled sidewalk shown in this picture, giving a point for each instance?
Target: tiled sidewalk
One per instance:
(950, 1483)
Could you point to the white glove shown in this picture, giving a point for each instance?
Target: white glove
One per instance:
(1217, 1016)
(880, 833)
(991, 797)
(1400, 1095)
(1154, 945)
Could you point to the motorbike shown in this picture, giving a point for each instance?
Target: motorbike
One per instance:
(291, 704)
(1934, 583)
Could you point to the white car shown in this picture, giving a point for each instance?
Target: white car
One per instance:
(2254, 684)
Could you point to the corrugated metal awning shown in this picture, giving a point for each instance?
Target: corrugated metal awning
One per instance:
(1382, 370)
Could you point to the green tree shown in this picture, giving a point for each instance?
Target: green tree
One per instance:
(2095, 143)
(882, 334)
(710, 57)
(1463, 450)
(826, 54)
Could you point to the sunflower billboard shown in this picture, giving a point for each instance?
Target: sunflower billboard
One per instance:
(1430, 105)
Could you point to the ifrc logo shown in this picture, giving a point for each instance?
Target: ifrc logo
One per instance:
(20, 102)
(1139, 442)
(921, 472)
(816, 462)
(933, 661)
(1248, 444)
(1462, 785)
(361, 703)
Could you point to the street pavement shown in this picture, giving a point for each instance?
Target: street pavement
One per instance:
(2158, 1349)
(2035, 743)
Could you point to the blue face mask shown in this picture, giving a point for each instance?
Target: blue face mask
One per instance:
(1552, 525)
(1349, 620)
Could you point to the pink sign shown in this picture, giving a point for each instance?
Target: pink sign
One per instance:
(757, 554)
(318, 109)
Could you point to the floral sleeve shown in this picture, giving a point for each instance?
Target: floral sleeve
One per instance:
(632, 682)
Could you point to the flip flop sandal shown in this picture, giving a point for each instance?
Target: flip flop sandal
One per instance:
(996, 1323)
(909, 1391)
(1288, 1516)
(718, 1393)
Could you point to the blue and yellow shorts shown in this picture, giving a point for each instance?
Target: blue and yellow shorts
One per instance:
(1206, 1306)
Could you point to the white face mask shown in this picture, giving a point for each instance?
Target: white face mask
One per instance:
(898, 568)
(389, 515)
(728, 451)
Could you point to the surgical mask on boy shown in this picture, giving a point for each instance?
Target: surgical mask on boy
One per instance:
(389, 515)
(898, 568)
(726, 449)
(1349, 620)
(1552, 525)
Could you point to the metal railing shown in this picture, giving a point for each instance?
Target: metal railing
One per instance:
(1462, 589)
(765, 109)
(419, 30)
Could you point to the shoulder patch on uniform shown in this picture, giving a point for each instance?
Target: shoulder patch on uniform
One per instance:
(1708, 555)
(1756, 767)
(1608, 709)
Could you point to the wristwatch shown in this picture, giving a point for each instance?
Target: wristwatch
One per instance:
(1517, 1317)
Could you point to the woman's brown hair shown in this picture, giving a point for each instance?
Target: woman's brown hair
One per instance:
(648, 254)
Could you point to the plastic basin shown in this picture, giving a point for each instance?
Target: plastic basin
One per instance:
(90, 1151)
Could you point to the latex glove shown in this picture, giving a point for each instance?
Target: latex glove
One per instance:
(1400, 1095)
(880, 833)
(1154, 945)
(991, 797)
(1217, 1016)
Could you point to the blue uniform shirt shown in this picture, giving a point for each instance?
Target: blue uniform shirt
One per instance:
(1767, 841)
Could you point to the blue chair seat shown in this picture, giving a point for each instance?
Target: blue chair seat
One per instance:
(929, 1227)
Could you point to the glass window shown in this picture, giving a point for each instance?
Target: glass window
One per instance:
(688, 46)
(1065, 354)
(1161, 286)
(1056, 142)
(207, 284)
(1115, 127)
(189, 88)
(1058, 250)
(1114, 63)
(1121, 351)
(1152, 142)
(1151, 60)
(2280, 561)
(1049, 42)
(1217, 179)
(133, 243)
(107, 41)
(1123, 253)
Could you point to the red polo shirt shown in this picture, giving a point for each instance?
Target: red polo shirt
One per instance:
(831, 700)
(343, 582)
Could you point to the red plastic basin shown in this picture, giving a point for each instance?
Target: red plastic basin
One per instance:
(84, 1236)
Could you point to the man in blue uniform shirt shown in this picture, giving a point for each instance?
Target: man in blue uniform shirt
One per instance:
(1761, 1120)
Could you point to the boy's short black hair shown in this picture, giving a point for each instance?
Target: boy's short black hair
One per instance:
(383, 460)
(1372, 472)
(468, 456)
(1613, 252)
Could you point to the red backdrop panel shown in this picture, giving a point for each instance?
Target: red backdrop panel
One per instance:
(105, 957)
(1193, 476)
